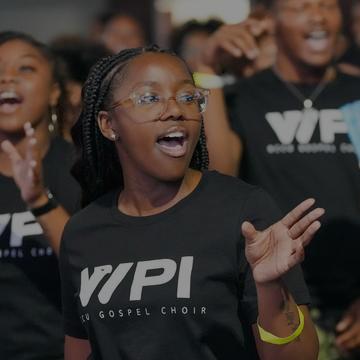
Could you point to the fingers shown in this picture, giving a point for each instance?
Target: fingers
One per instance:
(248, 231)
(260, 27)
(299, 227)
(345, 323)
(309, 233)
(11, 151)
(232, 49)
(238, 40)
(32, 152)
(294, 215)
(246, 42)
(351, 338)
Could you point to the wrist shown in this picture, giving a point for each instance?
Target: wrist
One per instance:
(44, 204)
(39, 200)
(269, 285)
(207, 69)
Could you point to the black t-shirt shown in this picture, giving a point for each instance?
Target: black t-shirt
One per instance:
(174, 285)
(294, 155)
(351, 56)
(30, 314)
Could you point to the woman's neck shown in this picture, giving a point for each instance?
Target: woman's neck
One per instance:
(294, 72)
(144, 196)
(20, 142)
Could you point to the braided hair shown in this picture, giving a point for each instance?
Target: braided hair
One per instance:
(98, 169)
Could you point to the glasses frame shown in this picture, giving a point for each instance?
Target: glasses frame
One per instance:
(132, 96)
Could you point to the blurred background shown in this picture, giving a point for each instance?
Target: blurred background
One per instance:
(47, 19)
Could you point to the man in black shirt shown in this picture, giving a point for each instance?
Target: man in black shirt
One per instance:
(294, 142)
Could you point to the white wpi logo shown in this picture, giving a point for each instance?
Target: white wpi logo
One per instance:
(90, 283)
(22, 224)
(301, 125)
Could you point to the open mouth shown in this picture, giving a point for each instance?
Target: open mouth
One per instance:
(173, 143)
(9, 101)
(318, 40)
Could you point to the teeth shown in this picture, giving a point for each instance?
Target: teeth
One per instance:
(175, 134)
(318, 35)
(8, 95)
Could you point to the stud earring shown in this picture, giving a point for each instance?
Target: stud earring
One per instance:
(113, 136)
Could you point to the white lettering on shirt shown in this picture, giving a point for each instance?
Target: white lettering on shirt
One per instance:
(22, 224)
(301, 125)
(141, 279)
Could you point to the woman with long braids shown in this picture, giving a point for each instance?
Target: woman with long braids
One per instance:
(169, 260)
(37, 193)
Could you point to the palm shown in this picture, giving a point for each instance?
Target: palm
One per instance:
(27, 178)
(274, 251)
(26, 170)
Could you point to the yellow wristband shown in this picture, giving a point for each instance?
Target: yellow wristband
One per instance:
(272, 339)
(208, 81)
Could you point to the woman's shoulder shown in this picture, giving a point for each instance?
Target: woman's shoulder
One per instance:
(240, 194)
(229, 184)
(94, 214)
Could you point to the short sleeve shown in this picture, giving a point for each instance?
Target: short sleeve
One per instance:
(72, 323)
(262, 211)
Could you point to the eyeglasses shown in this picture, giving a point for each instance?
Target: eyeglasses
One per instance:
(152, 104)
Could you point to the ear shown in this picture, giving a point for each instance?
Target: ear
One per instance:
(55, 94)
(105, 126)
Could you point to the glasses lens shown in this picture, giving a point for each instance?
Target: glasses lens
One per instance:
(202, 99)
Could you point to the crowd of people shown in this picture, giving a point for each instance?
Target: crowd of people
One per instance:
(156, 203)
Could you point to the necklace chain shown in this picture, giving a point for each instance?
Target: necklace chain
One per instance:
(306, 101)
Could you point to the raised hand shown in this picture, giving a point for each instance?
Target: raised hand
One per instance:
(26, 169)
(274, 251)
(236, 40)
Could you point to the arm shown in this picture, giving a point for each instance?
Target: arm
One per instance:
(271, 254)
(224, 145)
(27, 174)
(76, 349)
(52, 223)
(278, 312)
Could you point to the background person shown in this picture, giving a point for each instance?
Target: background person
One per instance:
(77, 56)
(31, 222)
(288, 118)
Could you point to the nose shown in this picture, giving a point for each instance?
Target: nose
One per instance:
(7, 75)
(171, 110)
(317, 14)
